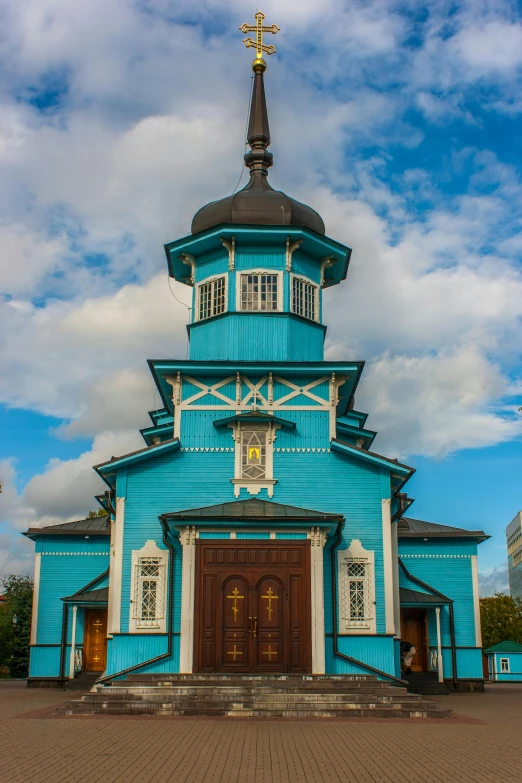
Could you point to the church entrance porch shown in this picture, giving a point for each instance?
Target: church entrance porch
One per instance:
(95, 640)
(414, 630)
(252, 607)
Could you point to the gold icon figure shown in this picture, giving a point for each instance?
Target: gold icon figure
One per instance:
(235, 608)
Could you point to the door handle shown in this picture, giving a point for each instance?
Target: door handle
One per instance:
(255, 627)
(249, 625)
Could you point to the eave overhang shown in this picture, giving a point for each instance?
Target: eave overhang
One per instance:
(403, 472)
(163, 368)
(356, 432)
(160, 431)
(254, 418)
(107, 470)
(316, 246)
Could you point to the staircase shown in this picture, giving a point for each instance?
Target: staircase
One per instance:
(425, 683)
(82, 682)
(255, 696)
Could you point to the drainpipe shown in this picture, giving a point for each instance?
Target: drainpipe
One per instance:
(63, 643)
(337, 653)
(453, 646)
(170, 547)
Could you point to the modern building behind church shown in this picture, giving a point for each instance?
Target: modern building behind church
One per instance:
(257, 530)
(514, 552)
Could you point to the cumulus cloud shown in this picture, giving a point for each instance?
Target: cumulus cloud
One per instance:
(493, 580)
(107, 150)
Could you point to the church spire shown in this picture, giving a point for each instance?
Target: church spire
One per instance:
(259, 159)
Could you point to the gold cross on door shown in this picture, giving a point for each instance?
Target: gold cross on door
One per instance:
(235, 597)
(271, 597)
(235, 652)
(269, 652)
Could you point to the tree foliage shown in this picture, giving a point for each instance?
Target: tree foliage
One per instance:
(501, 619)
(15, 637)
(100, 512)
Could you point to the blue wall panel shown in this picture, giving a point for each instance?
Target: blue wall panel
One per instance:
(126, 651)
(377, 651)
(44, 662)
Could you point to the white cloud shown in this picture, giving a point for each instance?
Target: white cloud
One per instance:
(493, 46)
(493, 580)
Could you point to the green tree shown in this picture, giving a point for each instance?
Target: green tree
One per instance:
(100, 512)
(15, 636)
(501, 619)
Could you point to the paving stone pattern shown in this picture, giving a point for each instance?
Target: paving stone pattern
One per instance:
(481, 744)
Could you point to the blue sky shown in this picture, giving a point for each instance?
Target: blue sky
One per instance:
(399, 121)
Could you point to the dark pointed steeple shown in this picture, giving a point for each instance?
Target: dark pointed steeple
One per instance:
(258, 203)
(258, 159)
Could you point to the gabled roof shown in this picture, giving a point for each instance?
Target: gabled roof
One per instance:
(251, 509)
(505, 647)
(408, 596)
(98, 526)
(255, 417)
(99, 596)
(395, 467)
(105, 469)
(417, 528)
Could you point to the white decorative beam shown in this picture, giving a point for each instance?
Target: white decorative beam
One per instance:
(230, 245)
(291, 247)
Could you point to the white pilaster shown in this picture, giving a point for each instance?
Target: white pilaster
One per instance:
(73, 642)
(116, 567)
(36, 592)
(388, 565)
(186, 653)
(396, 592)
(317, 542)
(476, 601)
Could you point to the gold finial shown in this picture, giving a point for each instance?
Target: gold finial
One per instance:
(258, 28)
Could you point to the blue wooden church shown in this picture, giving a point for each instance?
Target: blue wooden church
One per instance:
(256, 532)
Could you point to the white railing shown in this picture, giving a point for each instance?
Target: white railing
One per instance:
(433, 664)
(78, 660)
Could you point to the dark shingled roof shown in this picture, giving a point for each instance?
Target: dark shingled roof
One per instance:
(98, 526)
(505, 647)
(408, 596)
(416, 528)
(90, 596)
(250, 509)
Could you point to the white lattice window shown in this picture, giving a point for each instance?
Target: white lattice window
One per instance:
(356, 589)
(212, 298)
(304, 298)
(253, 453)
(504, 665)
(148, 599)
(259, 291)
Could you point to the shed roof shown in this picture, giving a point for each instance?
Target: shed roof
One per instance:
(505, 647)
(408, 596)
(251, 509)
(417, 528)
(98, 526)
(99, 596)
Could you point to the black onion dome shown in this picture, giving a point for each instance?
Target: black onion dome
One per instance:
(258, 203)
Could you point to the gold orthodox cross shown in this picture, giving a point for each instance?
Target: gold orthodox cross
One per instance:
(259, 28)
(97, 625)
(271, 597)
(235, 652)
(235, 608)
(269, 652)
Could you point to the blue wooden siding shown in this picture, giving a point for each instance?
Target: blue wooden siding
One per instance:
(291, 536)
(214, 534)
(302, 265)
(377, 651)
(254, 257)
(257, 337)
(254, 536)
(124, 651)
(45, 662)
(469, 664)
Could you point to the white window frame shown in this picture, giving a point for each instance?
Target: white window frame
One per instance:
(253, 485)
(206, 281)
(504, 662)
(137, 624)
(356, 553)
(307, 281)
(280, 283)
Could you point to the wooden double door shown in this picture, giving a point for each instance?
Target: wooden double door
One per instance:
(414, 629)
(252, 607)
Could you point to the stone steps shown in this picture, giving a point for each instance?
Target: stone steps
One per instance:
(256, 696)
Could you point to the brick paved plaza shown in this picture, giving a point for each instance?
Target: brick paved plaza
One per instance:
(482, 743)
